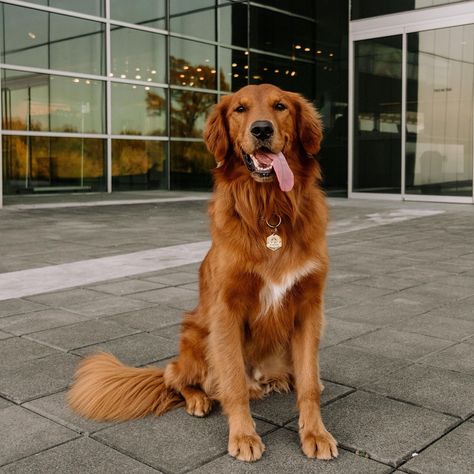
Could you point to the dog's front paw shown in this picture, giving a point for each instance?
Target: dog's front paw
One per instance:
(246, 447)
(320, 445)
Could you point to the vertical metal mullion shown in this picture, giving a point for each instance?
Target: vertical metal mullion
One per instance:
(1, 140)
(404, 113)
(168, 91)
(108, 95)
(350, 115)
(218, 49)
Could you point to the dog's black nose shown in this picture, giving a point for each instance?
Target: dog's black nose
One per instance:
(261, 129)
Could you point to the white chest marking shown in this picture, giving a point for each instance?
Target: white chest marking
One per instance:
(272, 293)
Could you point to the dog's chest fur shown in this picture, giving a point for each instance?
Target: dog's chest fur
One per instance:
(273, 293)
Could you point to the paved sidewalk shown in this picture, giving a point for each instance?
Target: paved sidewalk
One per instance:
(397, 356)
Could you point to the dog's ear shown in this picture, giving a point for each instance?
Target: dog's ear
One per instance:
(216, 134)
(308, 123)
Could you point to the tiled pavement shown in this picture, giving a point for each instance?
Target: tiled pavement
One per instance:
(397, 357)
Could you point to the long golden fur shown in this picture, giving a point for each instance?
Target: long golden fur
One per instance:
(258, 322)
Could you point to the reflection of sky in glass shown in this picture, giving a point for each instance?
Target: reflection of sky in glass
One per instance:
(193, 18)
(91, 7)
(47, 40)
(144, 12)
(138, 55)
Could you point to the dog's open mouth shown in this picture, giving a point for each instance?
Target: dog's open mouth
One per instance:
(264, 165)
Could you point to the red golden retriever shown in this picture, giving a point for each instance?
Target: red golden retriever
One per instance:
(258, 323)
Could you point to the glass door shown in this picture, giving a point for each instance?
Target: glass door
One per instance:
(439, 112)
(377, 115)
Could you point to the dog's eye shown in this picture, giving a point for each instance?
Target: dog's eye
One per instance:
(280, 106)
(240, 109)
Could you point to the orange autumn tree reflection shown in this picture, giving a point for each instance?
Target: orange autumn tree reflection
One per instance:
(45, 160)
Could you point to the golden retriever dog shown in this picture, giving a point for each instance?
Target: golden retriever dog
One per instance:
(257, 326)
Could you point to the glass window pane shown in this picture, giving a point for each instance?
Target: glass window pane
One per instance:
(138, 55)
(45, 164)
(287, 35)
(233, 74)
(302, 7)
(287, 74)
(90, 7)
(233, 24)
(139, 164)
(368, 8)
(377, 115)
(440, 112)
(189, 111)
(138, 110)
(52, 103)
(46, 40)
(196, 18)
(150, 13)
(193, 64)
(191, 166)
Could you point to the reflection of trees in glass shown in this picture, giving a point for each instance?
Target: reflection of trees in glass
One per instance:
(191, 158)
(187, 107)
(49, 158)
(137, 157)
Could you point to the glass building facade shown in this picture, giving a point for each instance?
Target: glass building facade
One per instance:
(113, 95)
(107, 95)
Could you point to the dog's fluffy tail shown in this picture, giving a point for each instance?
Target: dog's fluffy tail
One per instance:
(105, 389)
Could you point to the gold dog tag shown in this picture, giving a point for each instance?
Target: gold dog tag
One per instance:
(274, 242)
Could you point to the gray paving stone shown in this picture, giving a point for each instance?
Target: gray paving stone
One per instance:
(283, 455)
(354, 367)
(170, 296)
(398, 344)
(338, 330)
(78, 457)
(463, 309)
(439, 291)
(387, 430)
(4, 335)
(420, 273)
(190, 286)
(138, 349)
(175, 278)
(17, 349)
(348, 293)
(450, 454)
(459, 358)
(388, 282)
(155, 441)
(148, 319)
(25, 381)
(432, 324)
(23, 433)
(280, 408)
(66, 299)
(18, 306)
(170, 332)
(4, 403)
(39, 320)
(109, 306)
(55, 408)
(81, 334)
(379, 313)
(127, 287)
(439, 389)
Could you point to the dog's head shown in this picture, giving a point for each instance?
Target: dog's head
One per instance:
(262, 125)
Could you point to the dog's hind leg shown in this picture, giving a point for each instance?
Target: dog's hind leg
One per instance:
(188, 373)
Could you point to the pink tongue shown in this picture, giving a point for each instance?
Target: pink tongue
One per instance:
(280, 165)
